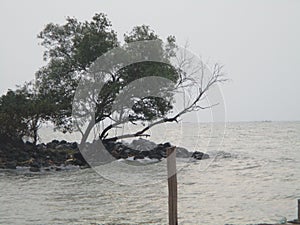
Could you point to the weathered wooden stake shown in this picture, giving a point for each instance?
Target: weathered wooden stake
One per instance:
(172, 185)
(298, 209)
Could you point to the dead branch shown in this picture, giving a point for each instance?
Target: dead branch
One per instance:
(216, 77)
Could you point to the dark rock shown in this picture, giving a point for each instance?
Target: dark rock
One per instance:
(115, 154)
(154, 155)
(183, 153)
(205, 156)
(138, 157)
(109, 145)
(199, 155)
(57, 153)
(49, 161)
(55, 142)
(144, 153)
(79, 160)
(158, 152)
(61, 147)
(63, 142)
(28, 148)
(23, 156)
(29, 143)
(142, 145)
(167, 145)
(41, 147)
(123, 151)
(35, 164)
(11, 165)
(2, 165)
(34, 169)
(74, 145)
(133, 152)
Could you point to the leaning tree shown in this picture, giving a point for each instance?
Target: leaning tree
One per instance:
(72, 54)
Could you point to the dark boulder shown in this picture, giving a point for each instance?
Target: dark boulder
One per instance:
(110, 145)
(142, 145)
(79, 160)
(199, 155)
(74, 145)
(52, 144)
(35, 164)
(144, 153)
(11, 165)
(167, 145)
(154, 155)
(34, 169)
(183, 153)
(61, 147)
(63, 142)
(160, 150)
(138, 157)
(41, 147)
(56, 142)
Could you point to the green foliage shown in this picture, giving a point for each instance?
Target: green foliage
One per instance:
(21, 113)
(12, 108)
(71, 49)
(150, 108)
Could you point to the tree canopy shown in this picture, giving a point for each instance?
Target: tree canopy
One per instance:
(71, 50)
(21, 113)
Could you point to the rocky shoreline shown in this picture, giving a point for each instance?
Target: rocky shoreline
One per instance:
(58, 154)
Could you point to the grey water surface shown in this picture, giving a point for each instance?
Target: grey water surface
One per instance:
(253, 176)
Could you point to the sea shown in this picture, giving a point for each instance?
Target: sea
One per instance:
(252, 176)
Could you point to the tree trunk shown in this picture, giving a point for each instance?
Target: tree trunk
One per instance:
(87, 132)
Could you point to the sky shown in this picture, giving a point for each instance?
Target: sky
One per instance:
(258, 42)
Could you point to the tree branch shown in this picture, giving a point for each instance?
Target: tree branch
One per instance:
(217, 76)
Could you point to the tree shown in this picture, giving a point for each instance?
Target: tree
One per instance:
(12, 118)
(71, 50)
(37, 107)
(21, 114)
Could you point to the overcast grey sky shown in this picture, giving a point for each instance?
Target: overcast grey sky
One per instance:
(257, 41)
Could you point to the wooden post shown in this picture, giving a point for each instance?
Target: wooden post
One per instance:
(299, 210)
(172, 185)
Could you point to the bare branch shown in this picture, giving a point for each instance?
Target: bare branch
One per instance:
(216, 77)
(127, 136)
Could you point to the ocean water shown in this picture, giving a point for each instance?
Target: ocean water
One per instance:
(253, 176)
